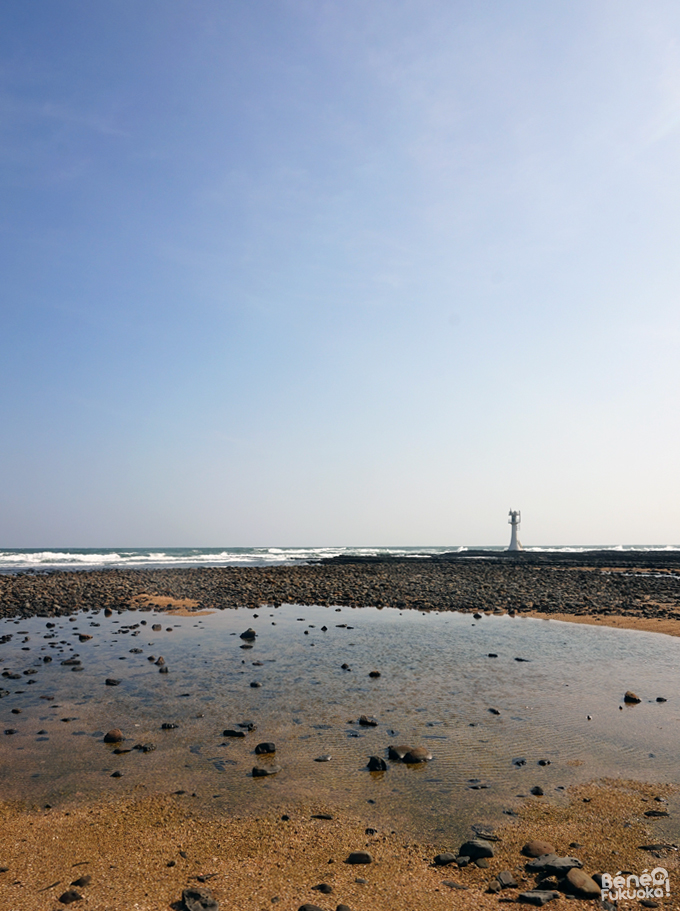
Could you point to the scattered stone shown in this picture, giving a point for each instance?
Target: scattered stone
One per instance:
(230, 733)
(308, 907)
(322, 816)
(265, 748)
(374, 674)
(255, 684)
(537, 848)
(551, 863)
(66, 898)
(83, 881)
(544, 762)
(359, 857)
(494, 886)
(657, 813)
(452, 884)
(492, 655)
(631, 698)
(462, 860)
(537, 897)
(506, 879)
(475, 848)
(161, 661)
(537, 791)
(117, 775)
(259, 772)
(661, 699)
(169, 726)
(163, 670)
(345, 667)
(325, 758)
(581, 884)
(249, 635)
(495, 711)
(441, 860)
(324, 888)
(377, 764)
(419, 754)
(397, 752)
(482, 863)
(199, 900)
(114, 736)
(367, 721)
(156, 627)
(111, 681)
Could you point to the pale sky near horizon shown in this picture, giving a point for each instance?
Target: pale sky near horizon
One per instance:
(323, 272)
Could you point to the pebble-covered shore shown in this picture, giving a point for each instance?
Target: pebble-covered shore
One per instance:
(648, 586)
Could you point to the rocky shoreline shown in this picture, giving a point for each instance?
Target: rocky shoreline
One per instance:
(600, 583)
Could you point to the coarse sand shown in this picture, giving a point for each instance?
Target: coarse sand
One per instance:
(141, 852)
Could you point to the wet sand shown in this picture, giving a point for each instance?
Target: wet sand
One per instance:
(142, 852)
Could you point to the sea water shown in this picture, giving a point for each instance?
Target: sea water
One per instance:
(488, 721)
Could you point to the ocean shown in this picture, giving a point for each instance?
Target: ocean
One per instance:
(14, 560)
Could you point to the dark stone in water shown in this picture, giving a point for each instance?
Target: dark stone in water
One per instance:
(264, 748)
(325, 758)
(366, 721)
(377, 764)
(259, 772)
(537, 791)
(397, 752)
(419, 754)
(631, 698)
(117, 775)
(144, 747)
(169, 726)
(230, 733)
(249, 635)
(255, 684)
(66, 898)
(199, 900)
(163, 670)
(111, 681)
(114, 736)
(374, 674)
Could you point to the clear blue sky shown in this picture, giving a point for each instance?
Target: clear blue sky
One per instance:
(339, 272)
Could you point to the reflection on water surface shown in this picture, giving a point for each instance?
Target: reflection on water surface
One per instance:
(496, 726)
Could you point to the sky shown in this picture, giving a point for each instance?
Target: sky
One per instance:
(326, 272)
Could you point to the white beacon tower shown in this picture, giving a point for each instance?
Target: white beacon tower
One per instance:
(514, 520)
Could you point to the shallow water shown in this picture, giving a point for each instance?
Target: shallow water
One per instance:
(436, 688)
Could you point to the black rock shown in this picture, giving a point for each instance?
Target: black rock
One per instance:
(111, 681)
(377, 764)
(551, 863)
(324, 888)
(83, 881)
(367, 721)
(66, 898)
(259, 772)
(169, 726)
(475, 848)
(249, 635)
(359, 857)
(264, 748)
(309, 907)
(441, 860)
(255, 684)
(230, 733)
(537, 791)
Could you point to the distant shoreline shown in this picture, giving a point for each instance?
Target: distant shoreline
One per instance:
(639, 586)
